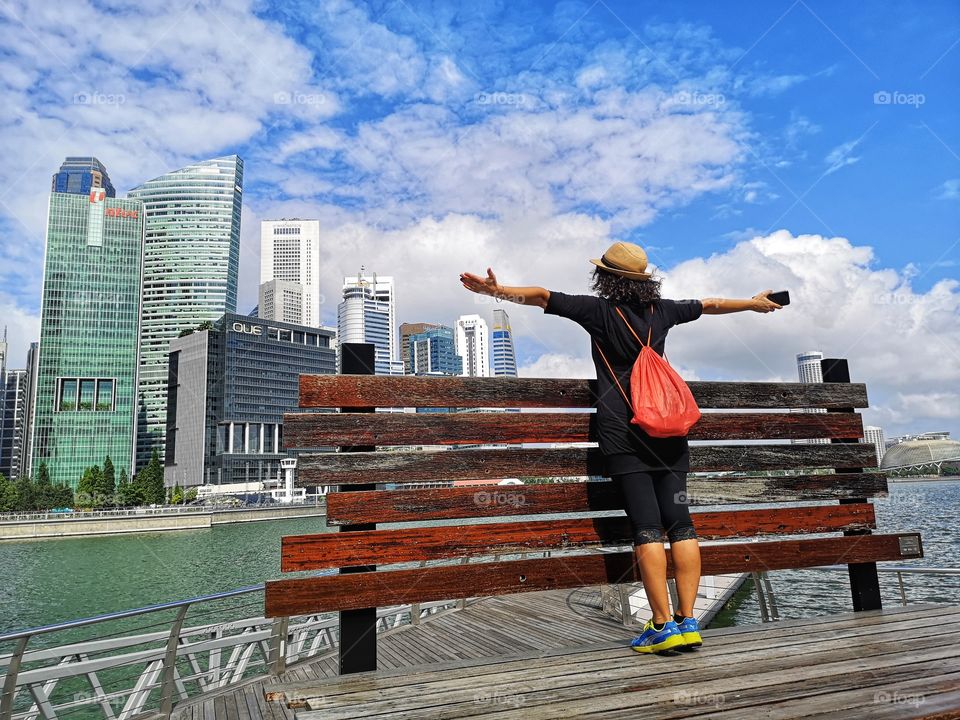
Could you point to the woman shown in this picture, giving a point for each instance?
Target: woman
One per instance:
(650, 472)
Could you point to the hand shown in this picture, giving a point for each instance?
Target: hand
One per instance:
(762, 304)
(484, 286)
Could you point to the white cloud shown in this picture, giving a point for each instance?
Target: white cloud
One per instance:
(841, 156)
(558, 365)
(950, 190)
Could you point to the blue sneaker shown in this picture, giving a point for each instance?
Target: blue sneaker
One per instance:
(652, 640)
(690, 629)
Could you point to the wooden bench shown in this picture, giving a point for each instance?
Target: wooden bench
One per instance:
(386, 448)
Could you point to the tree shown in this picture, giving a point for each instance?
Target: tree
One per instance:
(8, 495)
(176, 496)
(151, 481)
(190, 495)
(108, 485)
(26, 496)
(87, 488)
(124, 493)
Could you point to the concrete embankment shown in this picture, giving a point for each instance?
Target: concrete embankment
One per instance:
(77, 524)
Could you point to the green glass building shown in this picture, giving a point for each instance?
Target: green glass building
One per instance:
(89, 335)
(191, 260)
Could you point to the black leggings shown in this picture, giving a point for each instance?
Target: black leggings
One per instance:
(655, 501)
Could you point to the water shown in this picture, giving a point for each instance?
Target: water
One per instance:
(48, 581)
(931, 508)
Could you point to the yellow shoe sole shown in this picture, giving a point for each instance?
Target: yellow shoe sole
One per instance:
(671, 642)
(692, 639)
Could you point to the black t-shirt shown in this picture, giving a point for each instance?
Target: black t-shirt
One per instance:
(626, 446)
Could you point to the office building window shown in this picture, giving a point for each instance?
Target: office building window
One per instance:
(86, 394)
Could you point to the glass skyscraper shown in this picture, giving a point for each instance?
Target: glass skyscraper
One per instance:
(432, 352)
(190, 265)
(80, 175)
(504, 353)
(89, 333)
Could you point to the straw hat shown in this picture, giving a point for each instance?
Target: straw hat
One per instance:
(626, 259)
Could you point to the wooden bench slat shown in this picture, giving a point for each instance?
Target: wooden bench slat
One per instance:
(382, 506)
(383, 547)
(343, 468)
(400, 587)
(336, 391)
(310, 430)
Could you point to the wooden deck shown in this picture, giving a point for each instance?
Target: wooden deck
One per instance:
(490, 627)
(901, 662)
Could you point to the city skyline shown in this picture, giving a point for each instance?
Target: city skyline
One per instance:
(807, 148)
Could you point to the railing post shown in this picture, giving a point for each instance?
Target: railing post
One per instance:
(167, 683)
(10, 682)
(864, 580)
(358, 628)
(278, 646)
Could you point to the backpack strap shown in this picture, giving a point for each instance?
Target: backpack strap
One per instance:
(607, 363)
(650, 329)
(613, 374)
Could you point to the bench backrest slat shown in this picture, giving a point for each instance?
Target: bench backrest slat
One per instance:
(445, 582)
(430, 504)
(350, 391)
(305, 430)
(415, 544)
(345, 468)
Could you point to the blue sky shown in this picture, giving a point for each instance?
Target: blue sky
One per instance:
(804, 145)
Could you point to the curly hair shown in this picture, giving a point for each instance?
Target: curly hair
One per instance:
(624, 290)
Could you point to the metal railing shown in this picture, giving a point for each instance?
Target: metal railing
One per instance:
(130, 673)
(768, 604)
(165, 510)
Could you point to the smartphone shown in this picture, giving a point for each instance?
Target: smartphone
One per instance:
(780, 298)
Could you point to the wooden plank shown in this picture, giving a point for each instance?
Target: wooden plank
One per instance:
(400, 587)
(600, 678)
(795, 633)
(336, 391)
(342, 468)
(542, 690)
(382, 547)
(512, 500)
(311, 430)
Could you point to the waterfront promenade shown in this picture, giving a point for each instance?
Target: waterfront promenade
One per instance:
(120, 522)
(547, 655)
(528, 624)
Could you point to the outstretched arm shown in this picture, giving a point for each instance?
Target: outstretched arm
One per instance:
(758, 303)
(532, 295)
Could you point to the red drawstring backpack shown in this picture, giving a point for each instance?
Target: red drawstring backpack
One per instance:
(663, 405)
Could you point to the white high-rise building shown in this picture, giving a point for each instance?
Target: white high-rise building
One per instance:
(367, 314)
(281, 300)
(809, 370)
(290, 251)
(874, 434)
(472, 344)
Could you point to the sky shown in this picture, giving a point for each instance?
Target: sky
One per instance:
(810, 146)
